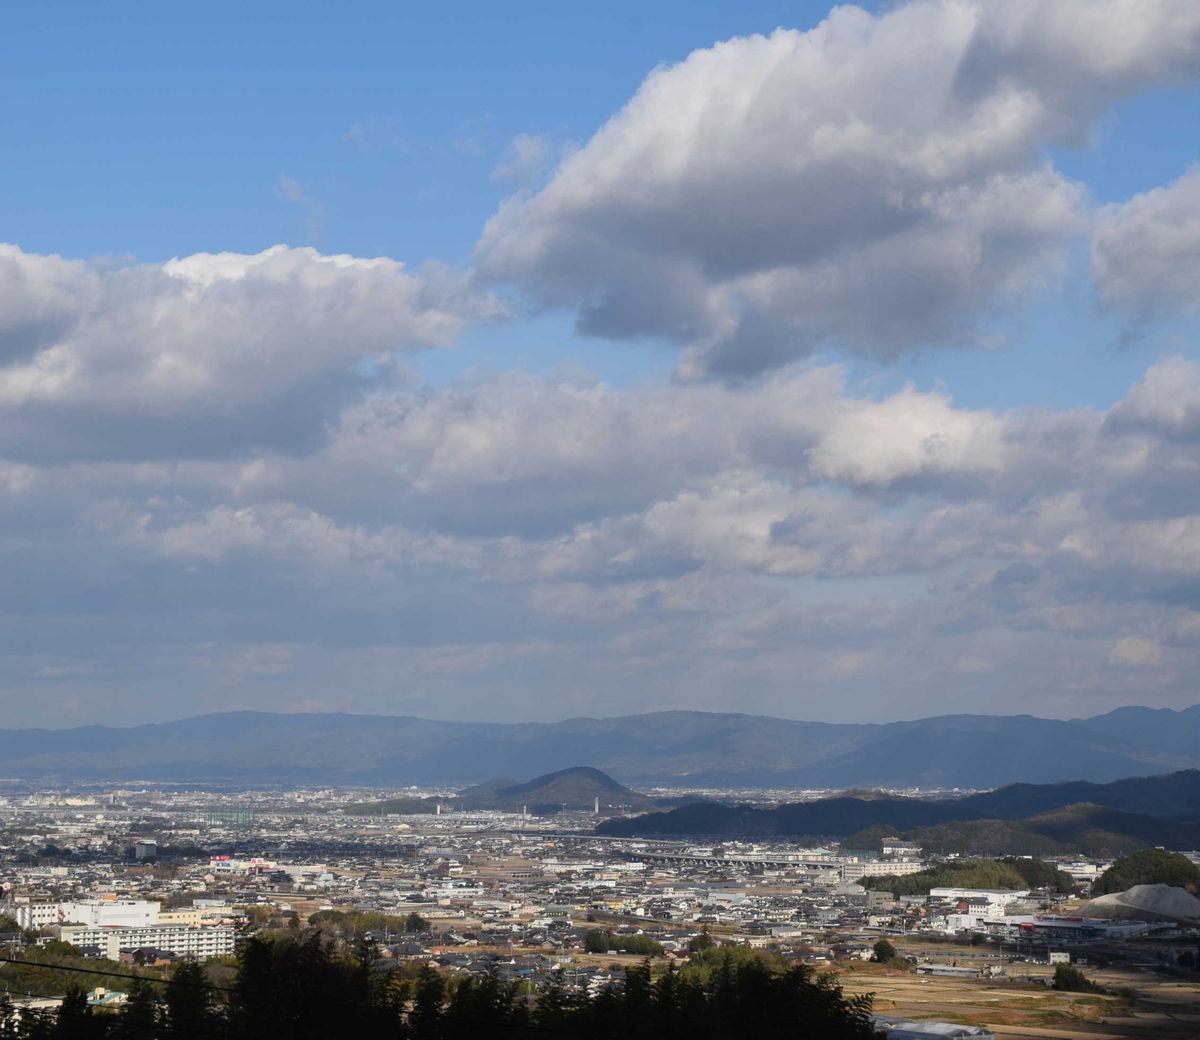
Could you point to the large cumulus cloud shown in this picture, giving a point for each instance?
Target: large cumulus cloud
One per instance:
(205, 353)
(874, 183)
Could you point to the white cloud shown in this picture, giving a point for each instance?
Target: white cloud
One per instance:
(971, 664)
(874, 183)
(524, 159)
(206, 353)
(627, 545)
(1136, 652)
(907, 435)
(290, 188)
(314, 211)
(1146, 252)
(1166, 399)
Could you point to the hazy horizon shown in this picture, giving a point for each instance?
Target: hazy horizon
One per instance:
(550, 721)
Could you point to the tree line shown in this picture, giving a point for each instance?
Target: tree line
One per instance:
(1148, 867)
(1011, 872)
(301, 987)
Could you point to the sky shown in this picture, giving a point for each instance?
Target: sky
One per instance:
(529, 361)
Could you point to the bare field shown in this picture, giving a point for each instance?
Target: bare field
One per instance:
(1165, 1008)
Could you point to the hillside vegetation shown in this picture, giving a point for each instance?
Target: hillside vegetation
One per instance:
(1024, 819)
(1089, 830)
(1012, 873)
(1148, 867)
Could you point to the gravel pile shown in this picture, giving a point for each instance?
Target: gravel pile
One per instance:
(1147, 903)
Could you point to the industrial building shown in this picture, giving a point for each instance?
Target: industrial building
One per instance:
(1057, 926)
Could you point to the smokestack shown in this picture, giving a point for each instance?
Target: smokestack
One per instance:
(597, 809)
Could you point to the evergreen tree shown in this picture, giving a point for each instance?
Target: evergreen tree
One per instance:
(484, 1007)
(138, 1019)
(303, 988)
(414, 922)
(188, 1000)
(429, 993)
(74, 1019)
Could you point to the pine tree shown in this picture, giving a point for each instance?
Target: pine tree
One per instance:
(429, 993)
(74, 1019)
(188, 1000)
(139, 1017)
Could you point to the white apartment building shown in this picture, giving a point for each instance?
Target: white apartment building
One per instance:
(99, 913)
(880, 868)
(200, 943)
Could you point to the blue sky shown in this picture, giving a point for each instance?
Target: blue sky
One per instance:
(168, 127)
(860, 315)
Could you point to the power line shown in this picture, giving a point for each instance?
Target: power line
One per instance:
(118, 975)
(61, 1009)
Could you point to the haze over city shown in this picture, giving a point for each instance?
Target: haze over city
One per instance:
(520, 362)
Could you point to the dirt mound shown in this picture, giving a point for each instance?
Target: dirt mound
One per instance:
(1148, 903)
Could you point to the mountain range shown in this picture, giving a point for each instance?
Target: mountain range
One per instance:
(676, 747)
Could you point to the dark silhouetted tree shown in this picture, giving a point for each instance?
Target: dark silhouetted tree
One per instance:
(188, 1000)
(74, 1019)
(138, 1019)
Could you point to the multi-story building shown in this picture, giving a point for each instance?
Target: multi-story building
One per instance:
(852, 871)
(95, 913)
(200, 943)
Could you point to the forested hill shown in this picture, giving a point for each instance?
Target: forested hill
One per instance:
(1027, 818)
(1172, 795)
(680, 747)
(580, 787)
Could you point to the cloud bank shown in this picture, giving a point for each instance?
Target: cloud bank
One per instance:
(499, 538)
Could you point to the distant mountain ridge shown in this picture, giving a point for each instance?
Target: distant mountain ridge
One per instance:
(675, 747)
